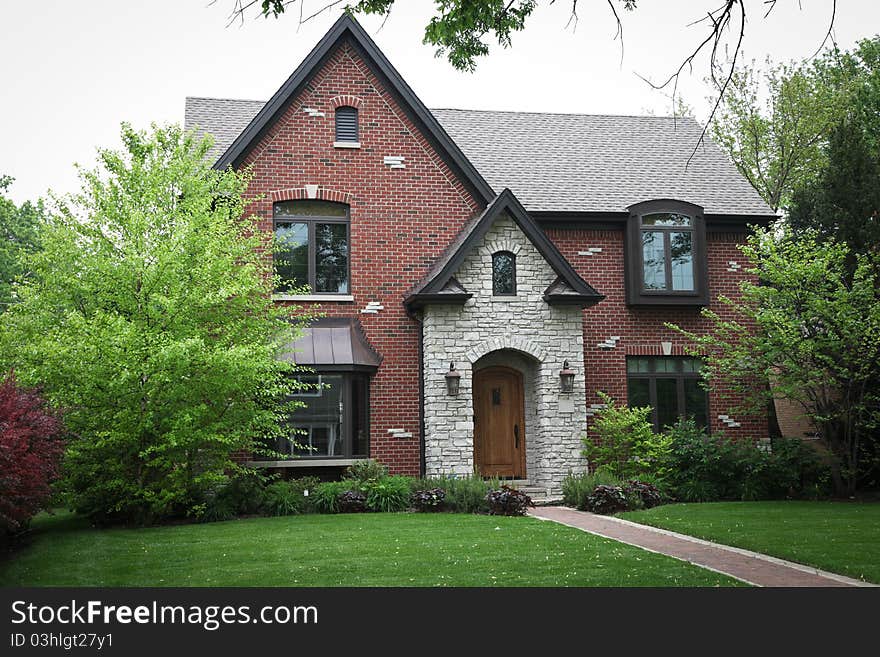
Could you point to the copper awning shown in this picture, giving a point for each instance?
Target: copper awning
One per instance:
(334, 343)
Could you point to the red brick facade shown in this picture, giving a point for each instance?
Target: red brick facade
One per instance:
(402, 219)
(642, 329)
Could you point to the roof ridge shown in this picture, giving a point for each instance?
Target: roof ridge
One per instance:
(610, 116)
(234, 100)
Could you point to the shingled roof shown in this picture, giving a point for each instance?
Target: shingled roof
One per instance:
(562, 162)
(595, 163)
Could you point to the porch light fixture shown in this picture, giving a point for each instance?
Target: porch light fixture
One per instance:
(566, 378)
(453, 380)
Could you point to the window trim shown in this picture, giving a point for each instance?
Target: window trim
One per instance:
(652, 377)
(357, 126)
(636, 294)
(495, 292)
(347, 394)
(311, 221)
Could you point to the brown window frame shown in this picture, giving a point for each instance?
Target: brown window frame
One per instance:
(679, 376)
(636, 293)
(311, 221)
(348, 421)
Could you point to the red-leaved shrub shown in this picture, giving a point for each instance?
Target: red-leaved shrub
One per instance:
(30, 453)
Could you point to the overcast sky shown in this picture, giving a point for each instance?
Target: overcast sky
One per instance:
(73, 70)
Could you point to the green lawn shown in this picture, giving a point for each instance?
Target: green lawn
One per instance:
(341, 550)
(841, 537)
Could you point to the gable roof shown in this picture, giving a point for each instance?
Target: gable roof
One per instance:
(440, 285)
(562, 163)
(598, 164)
(222, 118)
(348, 29)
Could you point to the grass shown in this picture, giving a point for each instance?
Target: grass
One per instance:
(341, 550)
(841, 537)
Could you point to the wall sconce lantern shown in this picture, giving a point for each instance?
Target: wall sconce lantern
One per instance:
(566, 378)
(453, 380)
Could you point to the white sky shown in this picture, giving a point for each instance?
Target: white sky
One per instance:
(71, 71)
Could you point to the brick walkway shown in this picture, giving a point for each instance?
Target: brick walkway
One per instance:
(750, 567)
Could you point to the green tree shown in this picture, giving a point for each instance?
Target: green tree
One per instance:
(812, 327)
(149, 320)
(19, 235)
(843, 202)
(773, 125)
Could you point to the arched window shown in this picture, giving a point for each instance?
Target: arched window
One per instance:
(667, 259)
(503, 274)
(347, 124)
(311, 247)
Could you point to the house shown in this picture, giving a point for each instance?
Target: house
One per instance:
(483, 274)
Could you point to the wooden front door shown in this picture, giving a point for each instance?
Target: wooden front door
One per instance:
(499, 423)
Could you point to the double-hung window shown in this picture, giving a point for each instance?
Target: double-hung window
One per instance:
(671, 386)
(666, 254)
(312, 246)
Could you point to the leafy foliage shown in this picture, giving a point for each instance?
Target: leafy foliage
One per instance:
(507, 501)
(367, 470)
(326, 495)
(149, 318)
(284, 498)
(460, 26)
(607, 499)
(647, 494)
(577, 488)
(626, 444)
(388, 494)
(31, 447)
(352, 501)
(711, 468)
(430, 499)
(773, 123)
(812, 325)
(19, 237)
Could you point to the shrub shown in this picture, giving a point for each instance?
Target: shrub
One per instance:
(352, 501)
(607, 499)
(164, 386)
(388, 494)
(282, 498)
(243, 494)
(577, 488)
(216, 508)
(30, 452)
(430, 499)
(468, 494)
(642, 494)
(305, 487)
(708, 468)
(326, 494)
(507, 501)
(368, 470)
(626, 443)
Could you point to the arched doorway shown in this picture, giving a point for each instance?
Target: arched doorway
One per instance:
(499, 422)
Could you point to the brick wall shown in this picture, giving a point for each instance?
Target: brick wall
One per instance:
(401, 220)
(642, 329)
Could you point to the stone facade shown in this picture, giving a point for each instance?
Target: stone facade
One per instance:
(522, 332)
